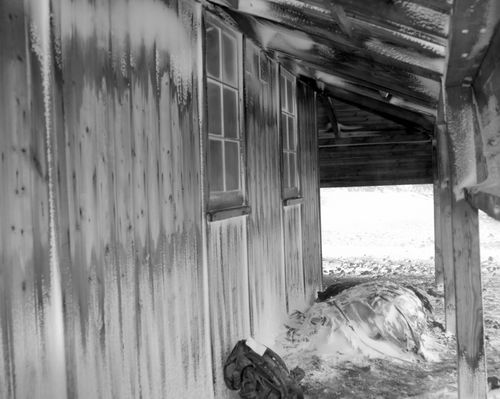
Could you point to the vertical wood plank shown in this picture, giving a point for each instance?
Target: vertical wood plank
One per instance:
(438, 254)
(31, 334)
(462, 126)
(130, 200)
(309, 170)
(294, 266)
(445, 195)
(229, 303)
(265, 236)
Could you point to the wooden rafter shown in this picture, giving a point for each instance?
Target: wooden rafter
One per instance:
(382, 108)
(393, 45)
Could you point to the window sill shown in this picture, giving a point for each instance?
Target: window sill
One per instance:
(222, 214)
(293, 201)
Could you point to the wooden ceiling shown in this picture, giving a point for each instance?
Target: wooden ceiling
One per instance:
(393, 51)
(383, 60)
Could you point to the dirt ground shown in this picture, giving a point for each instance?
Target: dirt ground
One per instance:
(389, 233)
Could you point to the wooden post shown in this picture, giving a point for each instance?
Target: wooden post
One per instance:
(445, 228)
(442, 167)
(438, 255)
(462, 125)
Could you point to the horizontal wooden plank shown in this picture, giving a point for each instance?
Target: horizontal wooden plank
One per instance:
(222, 214)
(486, 199)
(293, 201)
(376, 181)
(382, 108)
(388, 149)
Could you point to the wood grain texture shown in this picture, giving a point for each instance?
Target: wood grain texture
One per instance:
(321, 54)
(229, 293)
(438, 253)
(376, 163)
(126, 188)
(294, 266)
(309, 167)
(31, 335)
(462, 126)
(445, 196)
(265, 235)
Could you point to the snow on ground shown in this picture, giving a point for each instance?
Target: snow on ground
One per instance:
(388, 233)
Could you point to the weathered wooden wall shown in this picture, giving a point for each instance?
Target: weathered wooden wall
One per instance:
(265, 234)
(375, 146)
(113, 281)
(309, 167)
(114, 111)
(294, 263)
(31, 330)
(229, 303)
(376, 164)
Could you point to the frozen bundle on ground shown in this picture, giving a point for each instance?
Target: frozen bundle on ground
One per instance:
(374, 318)
(259, 373)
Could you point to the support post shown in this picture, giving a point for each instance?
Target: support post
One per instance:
(462, 126)
(438, 255)
(445, 239)
(445, 196)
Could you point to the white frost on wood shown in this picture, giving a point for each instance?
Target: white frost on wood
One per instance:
(135, 24)
(286, 40)
(40, 35)
(408, 56)
(425, 17)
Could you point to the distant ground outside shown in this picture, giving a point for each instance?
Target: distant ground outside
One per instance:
(388, 232)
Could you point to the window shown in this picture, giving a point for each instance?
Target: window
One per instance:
(225, 137)
(289, 135)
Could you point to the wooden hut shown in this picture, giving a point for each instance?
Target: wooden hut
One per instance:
(161, 163)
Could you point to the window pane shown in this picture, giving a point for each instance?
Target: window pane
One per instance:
(293, 167)
(291, 134)
(214, 108)
(289, 92)
(232, 166)
(215, 165)
(283, 92)
(230, 113)
(284, 131)
(212, 51)
(229, 58)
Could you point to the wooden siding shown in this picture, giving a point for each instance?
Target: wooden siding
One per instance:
(122, 126)
(309, 168)
(229, 304)
(31, 341)
(265, 235)
(376, 164)
(294, 267)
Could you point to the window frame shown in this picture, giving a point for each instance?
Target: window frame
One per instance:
(289, 192)
(226, 199)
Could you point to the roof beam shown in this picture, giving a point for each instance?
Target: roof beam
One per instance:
(382, 108)
(353, 35)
